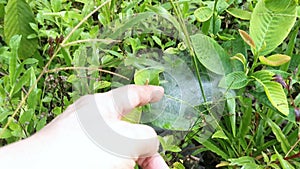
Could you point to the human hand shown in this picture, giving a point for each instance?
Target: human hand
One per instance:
(90, 134)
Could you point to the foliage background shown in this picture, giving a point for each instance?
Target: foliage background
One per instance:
(255, 41)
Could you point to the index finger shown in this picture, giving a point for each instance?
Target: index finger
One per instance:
(126, 98)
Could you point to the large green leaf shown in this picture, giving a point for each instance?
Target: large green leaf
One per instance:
(17, 18)
(211, 54)
(268, 28)
(234, 80)
(277, 5)
(273, 90)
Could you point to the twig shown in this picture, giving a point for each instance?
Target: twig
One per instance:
(292, 148)
(106, 41)
(86, 68)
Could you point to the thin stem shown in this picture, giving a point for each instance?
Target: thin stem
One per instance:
(85, 68)
(191, 49)
(106, 41)
(292, 148)
(214, 17)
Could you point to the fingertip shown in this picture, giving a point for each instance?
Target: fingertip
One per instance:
(128, 97)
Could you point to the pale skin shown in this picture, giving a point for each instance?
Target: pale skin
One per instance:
(64, 144)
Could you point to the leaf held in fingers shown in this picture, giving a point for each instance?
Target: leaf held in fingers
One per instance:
(275, 60)
(147, 75)
(246, 37)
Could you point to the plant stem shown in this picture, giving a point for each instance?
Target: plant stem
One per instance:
(191, 49)
(292, 148)
(106, 41)
(86, 68)
(214, 16)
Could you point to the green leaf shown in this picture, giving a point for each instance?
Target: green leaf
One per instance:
(266, 158)
(26, 116)
(165, 14)
(266, 26)
(5, 134)
(67, 56)
(134, 116)
(239, 13)
(273, 90)
(161, 11)
(231, 106)
(157, 40)
(17, 22)
(220, 134)
(203, 14)
(56, 5)
(30, 61)
(127, 25)
(24, 80)
(168, 144)
(284, 164)
(57, 111)
(147, 76)
(285, 145)
(34, 99)
(72, 78)
(212, 147)
(4, 115)
(275, 60)
(234, 80)
(211, 54)
(246, 117)
(14, 46)
(263, 99)
(101, 85)
(242, 161)
(240, 57)
(1, 11)
(41, 123)
(178, 165)
(277, 5)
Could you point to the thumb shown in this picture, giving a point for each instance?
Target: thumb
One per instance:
(153, 162)
(144, 152)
